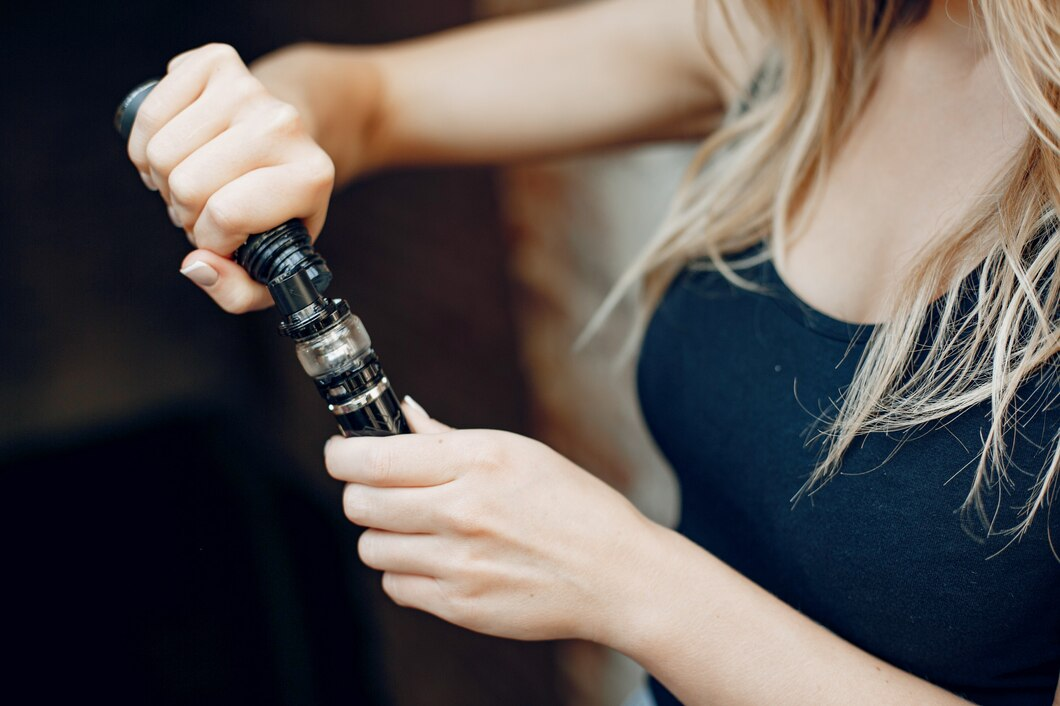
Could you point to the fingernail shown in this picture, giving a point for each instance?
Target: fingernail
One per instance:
(174, 217)
(200, 273)
(415, 405)
(148, 182)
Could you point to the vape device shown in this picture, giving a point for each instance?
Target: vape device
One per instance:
(330, 341)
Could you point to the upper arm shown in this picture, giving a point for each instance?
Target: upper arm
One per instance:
(705, 50)
(583, 76)
(738, 43)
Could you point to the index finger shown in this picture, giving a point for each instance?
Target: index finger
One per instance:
(405, 460)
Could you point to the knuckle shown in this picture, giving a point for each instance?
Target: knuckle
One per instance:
(247, 86)
(321, 172)
(283, 119)
(220, 52)
(226, 217)
(160, 154)
(468, 561)
(136, 154)
(463, 517)
(459, 607)
(489, 455)
(207, 53)
(183, 189)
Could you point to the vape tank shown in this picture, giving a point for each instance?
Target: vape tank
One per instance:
(334, 350)
(331, 343)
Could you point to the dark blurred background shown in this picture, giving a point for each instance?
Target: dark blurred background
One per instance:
(168, 532)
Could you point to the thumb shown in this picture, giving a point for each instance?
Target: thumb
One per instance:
(419, 421)
(226, 282)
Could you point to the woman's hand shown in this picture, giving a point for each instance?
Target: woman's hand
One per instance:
(490, 530)
(229, 159)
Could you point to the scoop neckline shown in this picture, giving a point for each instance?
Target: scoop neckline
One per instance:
(765, 274)
(809, 316)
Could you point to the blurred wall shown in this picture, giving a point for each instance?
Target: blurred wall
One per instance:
(162, 459)
(574, 225)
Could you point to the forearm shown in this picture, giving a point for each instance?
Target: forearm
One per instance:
(712, 636)
(542, 84)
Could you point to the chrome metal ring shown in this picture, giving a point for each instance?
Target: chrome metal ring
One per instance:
(360, 401)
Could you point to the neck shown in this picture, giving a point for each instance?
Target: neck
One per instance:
(953, 22)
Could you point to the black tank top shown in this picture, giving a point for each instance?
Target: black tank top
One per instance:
(731, 381)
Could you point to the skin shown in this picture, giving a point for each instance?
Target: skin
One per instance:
(907, 148)
(494, 531)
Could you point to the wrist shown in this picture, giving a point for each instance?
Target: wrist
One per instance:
(664, 572)
(636, 587)
(286, 74)
(337, 92)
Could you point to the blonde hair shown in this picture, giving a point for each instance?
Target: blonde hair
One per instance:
(752, 176)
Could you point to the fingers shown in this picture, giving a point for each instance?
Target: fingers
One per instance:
(404, 553)
(414, 591)
(407, 460)
(419, 421)
(227, 283)
(175, 92)
(229, 156)
(230, 160)
(199, 123)
(407, 510)
(260, 200)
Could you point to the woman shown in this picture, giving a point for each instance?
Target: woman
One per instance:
(851, 365)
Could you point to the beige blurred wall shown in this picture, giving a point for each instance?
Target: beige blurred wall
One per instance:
(573, 226)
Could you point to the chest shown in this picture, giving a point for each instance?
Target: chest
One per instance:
(928, 148)
(732, 383)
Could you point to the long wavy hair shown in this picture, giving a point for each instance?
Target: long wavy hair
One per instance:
(751, 178)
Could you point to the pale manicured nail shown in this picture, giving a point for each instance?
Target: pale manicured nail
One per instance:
(415, 405)
(174, 217)
(200, 273)
(148, 181)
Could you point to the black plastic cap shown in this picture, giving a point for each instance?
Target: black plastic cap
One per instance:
(293, 292)
(125, 116)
